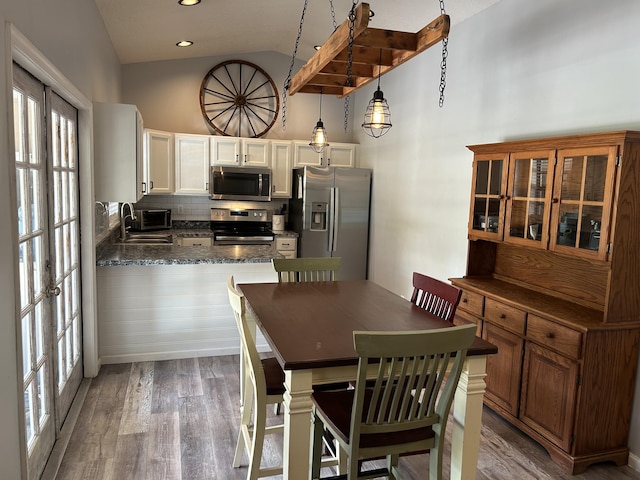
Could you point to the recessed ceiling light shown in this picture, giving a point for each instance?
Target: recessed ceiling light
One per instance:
(184, 43)
(188, 3)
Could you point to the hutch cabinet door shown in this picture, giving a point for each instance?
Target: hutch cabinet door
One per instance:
(504, 368)
(549, 387)
(487, 197)
(582, 199)
(529, 198)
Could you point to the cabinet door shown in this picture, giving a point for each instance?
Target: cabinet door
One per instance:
(192, 164)
(281, 170)
(504, 368)
(529, 198)
(225, 151)
(582, 199)
(487, 197)
(304, 155)
(255, 152)
(158, 162)
(118, 157)
(549, 386)
(341, 155)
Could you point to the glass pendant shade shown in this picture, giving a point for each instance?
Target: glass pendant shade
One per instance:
(377, 117)
(319, 137)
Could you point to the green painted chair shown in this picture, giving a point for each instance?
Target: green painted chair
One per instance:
(307, 269)
(263, 386)
(388, 419)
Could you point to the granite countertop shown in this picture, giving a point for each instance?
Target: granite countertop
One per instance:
(120, 255)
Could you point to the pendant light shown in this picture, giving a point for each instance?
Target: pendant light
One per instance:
(377, 118)
(319, 135)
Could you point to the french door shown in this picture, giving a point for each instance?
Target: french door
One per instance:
(45, 133)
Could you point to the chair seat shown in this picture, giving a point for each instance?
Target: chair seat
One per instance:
(273, 375)
(336, 407)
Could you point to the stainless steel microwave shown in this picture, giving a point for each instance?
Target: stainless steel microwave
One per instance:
(237, 183)
(152, 220)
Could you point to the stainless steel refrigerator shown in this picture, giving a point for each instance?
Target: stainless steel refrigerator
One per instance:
(329, 210)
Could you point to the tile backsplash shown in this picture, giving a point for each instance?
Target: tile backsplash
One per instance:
(196, 208)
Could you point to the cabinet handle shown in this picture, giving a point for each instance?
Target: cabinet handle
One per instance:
(144, 187)
(151, 184)
(464, 300)
(245, 158)
(554, 200)
(237, 158)
(550, 335)
(508, 197)
(502, 315)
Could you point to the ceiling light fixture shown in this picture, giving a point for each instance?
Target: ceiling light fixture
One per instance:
(319, 135)
(377, 117)
(188, 3)
(184, 43)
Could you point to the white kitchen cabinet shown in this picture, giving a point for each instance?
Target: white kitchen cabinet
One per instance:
(335, 155)
(159, 162)
(192, 164)
(240, 152)
(287, 246)
(117, 148)
(281, 165)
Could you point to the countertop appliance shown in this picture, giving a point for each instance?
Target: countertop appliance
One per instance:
(241, 227)
(240, 183)
(329, 210)
(158, 219)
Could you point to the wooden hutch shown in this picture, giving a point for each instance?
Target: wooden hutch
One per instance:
(553, 279)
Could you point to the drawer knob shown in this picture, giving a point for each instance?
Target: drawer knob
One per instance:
(464, 300)
(550, 335)
(502, 315)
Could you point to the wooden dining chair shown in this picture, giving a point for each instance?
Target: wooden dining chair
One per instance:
(263, 386)
(435, 296)
(389, 419)
(322, 269)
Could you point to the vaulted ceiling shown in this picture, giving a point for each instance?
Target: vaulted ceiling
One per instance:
(148, 30)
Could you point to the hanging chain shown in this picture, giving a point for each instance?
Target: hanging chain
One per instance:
(287, 82)
(443, 63)
(333, 16)
(352, 22)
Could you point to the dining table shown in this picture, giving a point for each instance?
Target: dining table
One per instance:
(309, 327)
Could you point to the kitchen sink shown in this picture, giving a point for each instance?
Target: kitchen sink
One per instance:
(147, 239)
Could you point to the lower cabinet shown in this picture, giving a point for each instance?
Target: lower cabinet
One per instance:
(287, 246)
(561, 376)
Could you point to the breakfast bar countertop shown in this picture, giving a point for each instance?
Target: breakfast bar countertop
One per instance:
(111, 254)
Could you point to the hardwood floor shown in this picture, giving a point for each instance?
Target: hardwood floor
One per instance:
(178, 420)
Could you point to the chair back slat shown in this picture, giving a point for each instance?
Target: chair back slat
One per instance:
(408, 363)
(307, 269)
(435, 296)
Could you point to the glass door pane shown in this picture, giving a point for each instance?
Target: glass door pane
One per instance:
(528, 198)
(584, 201)
(488, 195)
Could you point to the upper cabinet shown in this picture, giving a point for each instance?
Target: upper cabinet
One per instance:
(192, 164)
(557, 197)
(241, 152)
(335, 155)
(281, 169)
(159, 162)
(118, 157)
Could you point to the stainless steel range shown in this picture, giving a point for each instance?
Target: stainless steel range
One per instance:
(241, 227)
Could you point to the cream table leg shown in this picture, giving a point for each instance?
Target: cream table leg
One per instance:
(297, 424)
(467, 419)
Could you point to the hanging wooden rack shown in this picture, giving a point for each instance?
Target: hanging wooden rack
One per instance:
(326, 70)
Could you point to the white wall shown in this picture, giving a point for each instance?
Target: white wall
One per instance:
(167, 95)
(520, 69)
(82, 52)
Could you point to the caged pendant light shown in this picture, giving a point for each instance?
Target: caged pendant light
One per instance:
(319, 135)
(377, 117)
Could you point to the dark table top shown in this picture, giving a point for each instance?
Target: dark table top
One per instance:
(311, 324)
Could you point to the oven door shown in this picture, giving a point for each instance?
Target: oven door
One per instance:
(234, 183)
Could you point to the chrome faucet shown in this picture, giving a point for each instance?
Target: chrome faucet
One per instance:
(123, 219)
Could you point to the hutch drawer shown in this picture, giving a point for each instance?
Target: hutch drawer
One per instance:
(471, 302)
(506, 316)
(557, 337)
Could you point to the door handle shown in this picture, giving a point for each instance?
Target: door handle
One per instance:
(53, 291)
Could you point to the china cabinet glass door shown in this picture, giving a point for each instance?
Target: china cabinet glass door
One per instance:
(528, 198)
(489, 181)
(582, 201)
